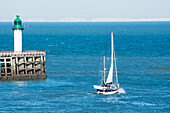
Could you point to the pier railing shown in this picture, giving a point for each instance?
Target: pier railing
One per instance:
(24, 53)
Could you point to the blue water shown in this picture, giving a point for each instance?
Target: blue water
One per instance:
(73, 58)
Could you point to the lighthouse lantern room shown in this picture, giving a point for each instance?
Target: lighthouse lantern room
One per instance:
(17, 34)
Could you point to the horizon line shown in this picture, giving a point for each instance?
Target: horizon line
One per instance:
(72, 19)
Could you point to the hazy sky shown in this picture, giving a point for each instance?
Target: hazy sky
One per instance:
(88, 9)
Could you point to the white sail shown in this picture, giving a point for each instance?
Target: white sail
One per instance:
(110, 75)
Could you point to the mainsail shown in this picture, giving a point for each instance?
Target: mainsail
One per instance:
(110, 75)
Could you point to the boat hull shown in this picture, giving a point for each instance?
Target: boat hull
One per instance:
(107, 92)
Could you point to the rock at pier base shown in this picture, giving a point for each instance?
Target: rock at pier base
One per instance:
(22, 77)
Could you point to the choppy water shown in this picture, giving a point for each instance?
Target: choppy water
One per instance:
(74, 51)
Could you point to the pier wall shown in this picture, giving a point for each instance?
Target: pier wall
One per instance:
(24, 65)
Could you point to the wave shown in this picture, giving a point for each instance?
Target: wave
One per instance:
(52, 45)
(121, 91)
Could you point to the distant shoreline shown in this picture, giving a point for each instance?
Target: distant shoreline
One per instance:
(96, 20)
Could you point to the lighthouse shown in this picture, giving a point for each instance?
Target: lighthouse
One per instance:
(17, 34)
(21, 65)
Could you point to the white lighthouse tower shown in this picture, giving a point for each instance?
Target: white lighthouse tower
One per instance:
(17, 34)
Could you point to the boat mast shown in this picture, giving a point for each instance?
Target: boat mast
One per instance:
(104, 69)
(113, 53)
(115, 67)
(115, 60)
(112, 48)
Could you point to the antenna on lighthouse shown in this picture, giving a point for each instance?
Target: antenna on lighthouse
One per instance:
(17, 34)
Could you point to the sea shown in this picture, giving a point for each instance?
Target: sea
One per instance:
(73, 58)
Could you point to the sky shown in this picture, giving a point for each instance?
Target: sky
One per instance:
(85, 10)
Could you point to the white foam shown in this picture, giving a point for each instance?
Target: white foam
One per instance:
(20, 83)
(52, 45)
(143, 104)
(121, 90)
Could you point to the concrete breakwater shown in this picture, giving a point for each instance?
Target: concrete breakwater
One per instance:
(24, 65)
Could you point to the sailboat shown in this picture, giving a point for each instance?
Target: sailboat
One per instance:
(108, 87)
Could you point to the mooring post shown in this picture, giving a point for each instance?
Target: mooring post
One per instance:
(25, 63)
(34, 63)
(5, 66)
(42, 63)
(17, 63)
(11, 66)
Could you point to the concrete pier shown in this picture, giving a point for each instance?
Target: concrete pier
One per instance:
(24, 65)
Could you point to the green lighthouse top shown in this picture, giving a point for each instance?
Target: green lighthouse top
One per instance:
(18, 23)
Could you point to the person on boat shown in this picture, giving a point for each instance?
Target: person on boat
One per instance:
(116, 86)
(103, 84)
